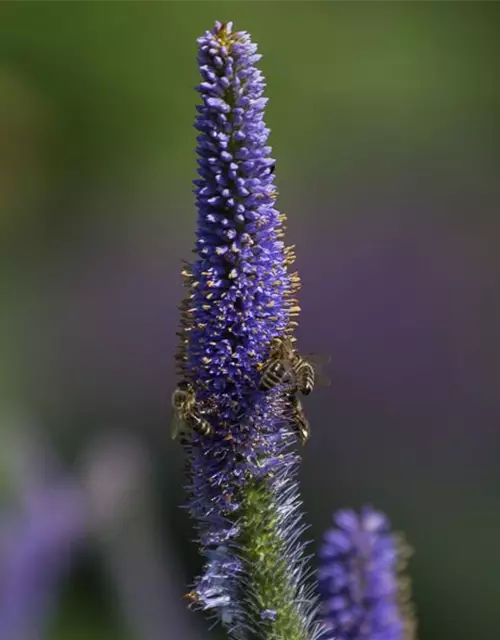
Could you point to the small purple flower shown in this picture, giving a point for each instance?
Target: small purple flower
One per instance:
(242, 476)
(363, 595)
(268, 614)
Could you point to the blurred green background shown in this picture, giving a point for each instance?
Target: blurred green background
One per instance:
(386, 133)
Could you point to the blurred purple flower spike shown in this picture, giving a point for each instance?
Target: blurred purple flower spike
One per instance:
(364, 597)
(37, 542)
(117, 476)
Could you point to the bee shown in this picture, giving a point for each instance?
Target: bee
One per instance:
(189, 415)
(301, 423)
(308, 371)
(278, 368)
(304, 375)
(286, 366)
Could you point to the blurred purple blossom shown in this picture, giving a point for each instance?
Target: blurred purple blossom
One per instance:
(37, 541)
(363, 595)
(117, 476)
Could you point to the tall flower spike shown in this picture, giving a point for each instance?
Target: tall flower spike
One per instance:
(364, 596)
(242, 483)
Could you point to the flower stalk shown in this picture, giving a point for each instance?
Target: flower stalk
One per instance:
(239, 439)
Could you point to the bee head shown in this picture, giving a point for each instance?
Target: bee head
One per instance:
(180, 396)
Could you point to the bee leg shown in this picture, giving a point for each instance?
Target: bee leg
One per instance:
(301, 422)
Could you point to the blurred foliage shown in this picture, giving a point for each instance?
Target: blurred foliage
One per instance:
(101, 91)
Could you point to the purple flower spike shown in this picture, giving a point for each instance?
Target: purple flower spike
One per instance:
(363, 594)
(241, 291)
(241, 470)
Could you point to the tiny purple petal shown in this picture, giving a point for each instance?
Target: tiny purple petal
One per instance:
(268, 614)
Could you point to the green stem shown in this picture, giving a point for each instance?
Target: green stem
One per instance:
(271, 583)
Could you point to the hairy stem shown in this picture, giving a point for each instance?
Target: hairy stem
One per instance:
(272, 575)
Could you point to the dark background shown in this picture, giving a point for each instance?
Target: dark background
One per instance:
(385, 120)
